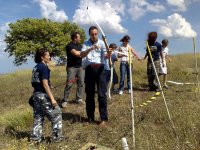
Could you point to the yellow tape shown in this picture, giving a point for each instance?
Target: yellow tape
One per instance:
(196, 90)
(152, 98)
(149, 101)
(157, 93)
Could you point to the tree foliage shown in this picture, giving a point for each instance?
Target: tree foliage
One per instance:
(25, 36)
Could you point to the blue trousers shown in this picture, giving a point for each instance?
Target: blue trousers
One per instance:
(96, 76)
(124, 70)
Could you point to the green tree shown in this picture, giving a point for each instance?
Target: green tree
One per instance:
(25, 36)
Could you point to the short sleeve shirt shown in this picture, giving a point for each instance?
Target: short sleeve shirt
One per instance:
(73, 61)
(155, 49)
(40, 72)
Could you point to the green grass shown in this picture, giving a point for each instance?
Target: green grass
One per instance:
(152, 126)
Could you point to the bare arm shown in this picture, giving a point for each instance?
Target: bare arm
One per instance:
(145, 56)
(75, 53)
(135, 54)
(162, 56)
(168, 58)
(49, 93)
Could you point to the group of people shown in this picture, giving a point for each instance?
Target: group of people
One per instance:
(90, 66)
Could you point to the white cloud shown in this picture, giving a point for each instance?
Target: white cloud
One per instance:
(117, 5)
(139, 8)
(103, 13)
(174, 26)
(3, 29)
(181, 5)
(49, 11)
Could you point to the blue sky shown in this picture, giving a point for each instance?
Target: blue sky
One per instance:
(177, 20)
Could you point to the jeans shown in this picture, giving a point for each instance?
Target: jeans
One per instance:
(115, 76)
(108, 75)
(124, 70)
(74, 75)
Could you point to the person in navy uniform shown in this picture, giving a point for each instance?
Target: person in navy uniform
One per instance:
(156, 52)
(44, 103)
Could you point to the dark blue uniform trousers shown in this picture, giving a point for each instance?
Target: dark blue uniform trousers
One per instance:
(95, 75)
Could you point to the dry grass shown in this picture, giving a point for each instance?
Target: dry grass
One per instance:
(153, 128)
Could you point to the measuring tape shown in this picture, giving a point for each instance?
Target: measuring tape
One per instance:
(149, 101)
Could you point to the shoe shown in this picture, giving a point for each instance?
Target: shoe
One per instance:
(129, 91)
(88, 121)
(120, 92)
(64, 104)
(155, 89)
(80, 101)
(57, 139)
(37, 140)
(103, 124)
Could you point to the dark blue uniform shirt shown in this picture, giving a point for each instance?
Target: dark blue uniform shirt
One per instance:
(40, 72)
(155, 49)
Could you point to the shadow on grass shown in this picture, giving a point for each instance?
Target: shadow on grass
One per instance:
(12, 132)
(142, 87)
(73, 117)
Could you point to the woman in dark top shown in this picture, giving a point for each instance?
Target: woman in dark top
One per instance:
(156, 52)
(44, 103)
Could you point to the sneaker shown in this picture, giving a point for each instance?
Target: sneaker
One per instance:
(120, 92)
(80, 101)
(64, 104)
(57, 139)
(129, 91)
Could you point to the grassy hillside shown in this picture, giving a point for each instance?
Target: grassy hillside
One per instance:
(153, 128)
